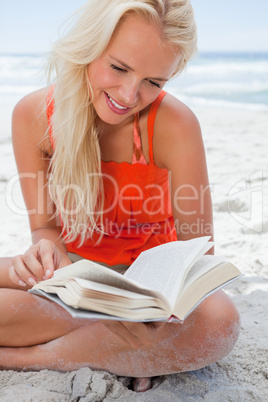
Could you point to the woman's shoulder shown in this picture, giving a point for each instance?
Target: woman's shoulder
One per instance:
(30, 118)
(33, 103)
(176, 129)
(174, 116)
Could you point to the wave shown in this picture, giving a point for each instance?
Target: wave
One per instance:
(193, 101)
(23, 63)
(220, 64)
(227, 68)
(17, 89)
(227, 87)
(21, 70)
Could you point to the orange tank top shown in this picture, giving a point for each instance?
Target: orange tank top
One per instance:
(137, 209)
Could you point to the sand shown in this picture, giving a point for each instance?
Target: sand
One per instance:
(236, 143)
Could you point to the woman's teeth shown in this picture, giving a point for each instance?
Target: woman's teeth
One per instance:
(116, 104)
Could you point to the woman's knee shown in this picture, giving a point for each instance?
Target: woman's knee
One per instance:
(220, 310)
(221, 323)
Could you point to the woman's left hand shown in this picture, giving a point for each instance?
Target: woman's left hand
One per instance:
(136, 334)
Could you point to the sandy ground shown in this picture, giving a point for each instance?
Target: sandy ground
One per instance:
(236, 142)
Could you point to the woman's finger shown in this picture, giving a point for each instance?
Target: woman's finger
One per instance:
(15, 277)
(47, 251)
(19, 272)
(32, 262)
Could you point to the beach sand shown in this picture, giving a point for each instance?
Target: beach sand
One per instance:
(236, 143)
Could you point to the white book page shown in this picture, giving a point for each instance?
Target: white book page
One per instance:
(96, 273)
(93, 289)
(93, 315)
(126, 301)
(202, 287)
(162, 268)
(90, 271)
(104, 292)
(201, 267)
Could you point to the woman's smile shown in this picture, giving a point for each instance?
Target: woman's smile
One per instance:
(115, 106)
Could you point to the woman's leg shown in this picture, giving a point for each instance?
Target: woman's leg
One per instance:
(27, 320)
(206, 336)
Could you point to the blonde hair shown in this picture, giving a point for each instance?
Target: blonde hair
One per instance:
(75, 182)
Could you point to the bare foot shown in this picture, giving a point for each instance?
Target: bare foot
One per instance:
(142, 384)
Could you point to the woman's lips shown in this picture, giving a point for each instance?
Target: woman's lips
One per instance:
(114, 106)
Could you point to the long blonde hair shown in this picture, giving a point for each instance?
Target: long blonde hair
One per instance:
(75, 182)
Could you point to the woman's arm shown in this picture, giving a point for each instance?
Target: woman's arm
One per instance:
(178, 147)
(32, 152)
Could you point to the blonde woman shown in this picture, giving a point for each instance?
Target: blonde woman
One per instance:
(120, 168)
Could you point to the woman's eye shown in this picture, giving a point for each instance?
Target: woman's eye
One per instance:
(121, 70)
(154, 84)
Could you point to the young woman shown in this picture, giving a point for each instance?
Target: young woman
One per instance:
(117, 166)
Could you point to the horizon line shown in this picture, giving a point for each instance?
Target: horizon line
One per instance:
(227, 52)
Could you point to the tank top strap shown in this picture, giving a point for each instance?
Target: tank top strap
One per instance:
(151, 120)
(50, 111)
(137, 156)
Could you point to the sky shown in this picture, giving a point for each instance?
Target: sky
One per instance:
(30, 26)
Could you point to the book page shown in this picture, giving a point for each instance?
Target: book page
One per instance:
(80, 313)
(93, 300)
(201, 267)
(95, 290)
(96, 273)
(163, 268)
(205, 285)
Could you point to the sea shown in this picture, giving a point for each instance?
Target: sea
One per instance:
(213, 79)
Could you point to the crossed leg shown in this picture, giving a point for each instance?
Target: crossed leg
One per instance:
(37, 334)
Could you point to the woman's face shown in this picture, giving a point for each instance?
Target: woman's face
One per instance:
(131, 72)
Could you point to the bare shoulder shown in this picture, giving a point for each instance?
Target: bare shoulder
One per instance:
(177, 131)
(29, 120)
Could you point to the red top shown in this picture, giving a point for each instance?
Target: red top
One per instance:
(137, 209)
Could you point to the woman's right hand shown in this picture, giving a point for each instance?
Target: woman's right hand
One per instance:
(37, 264)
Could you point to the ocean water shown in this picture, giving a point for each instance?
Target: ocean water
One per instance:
(213, 79)
(223, 80)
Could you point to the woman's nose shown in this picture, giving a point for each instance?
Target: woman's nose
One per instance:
(129, 93)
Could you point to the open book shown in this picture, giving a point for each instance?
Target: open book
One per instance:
(164, 283)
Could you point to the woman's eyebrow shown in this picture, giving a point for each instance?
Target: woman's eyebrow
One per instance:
(132, 69)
